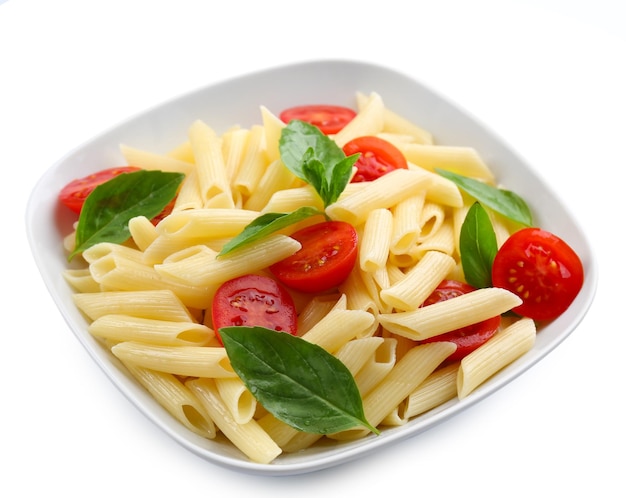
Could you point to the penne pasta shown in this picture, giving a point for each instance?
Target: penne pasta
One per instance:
(375, 240)
(250, 437)
(161, 304)
(120, 328)
(504, 348)
(176, 398)
(187, 361)
(419, 282)
(452, 314)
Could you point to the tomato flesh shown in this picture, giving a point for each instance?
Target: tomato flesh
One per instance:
(326, 258)
(253, 300)
(330, 119)
(469, 338)
(378, 157)
(542, 269)
(73, 195)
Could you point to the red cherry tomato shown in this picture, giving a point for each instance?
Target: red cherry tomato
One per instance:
(73, 195)
(253, 300)
(330, 119)
(541, 269)
(378, 157)
(326, 258)
(467, 339)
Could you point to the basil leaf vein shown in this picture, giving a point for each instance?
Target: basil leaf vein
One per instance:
(503, 201)
(111, 205)
(299, 382)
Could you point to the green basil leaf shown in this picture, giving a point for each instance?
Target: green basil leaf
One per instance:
(265, 225)
(505, 202)
(107, 210)
(316, 159)
(300, 383)
(478, 246)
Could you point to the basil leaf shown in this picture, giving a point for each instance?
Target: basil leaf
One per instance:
(265, 225)
(505, 202)
(109, 207)
(316, 159)
(478, 246)
(300, 383)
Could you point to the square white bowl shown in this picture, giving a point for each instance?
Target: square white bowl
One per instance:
(237, 101)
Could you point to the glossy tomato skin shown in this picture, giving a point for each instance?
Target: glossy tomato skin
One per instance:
(330, 119)
(326, 258)
(254, 300)
(469, 338)
(542, 269)
(73, 195)
(378, 157)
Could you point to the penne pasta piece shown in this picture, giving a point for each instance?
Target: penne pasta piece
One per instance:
(252, 165)
(273, 127)
(177, 399)
(290, 199)
(198, 266)
(406, 223)
(442, 240)
(116, 273)
(155, 304)
(239, 401)
(462, 160)
(431, 218)
(120, 328)
(317, 308)
(377, 366)
(182, 152)
(375, 240)
(368, 121)
(498, 352)
(440, 189)
(187, 361)
(210, 168)
(199, 225)
(81, 280)
(151, 161)
(189, 196)
(142, 231)
(438, 388)
(356, 353)
(275, 178)
(234, 144)
(394, 123)
(338, 327)
(451, 314)
(250, 437)
(384, 192)
(419, 282)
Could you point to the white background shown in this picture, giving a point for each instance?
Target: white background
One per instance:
(546, 75)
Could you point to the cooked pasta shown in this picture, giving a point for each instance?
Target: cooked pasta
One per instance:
(149, 300)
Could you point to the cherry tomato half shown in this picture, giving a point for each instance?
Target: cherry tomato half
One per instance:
(330, 119)
(378, 157)
(73, 195)
(540, 268)
(467, 339)
(253, 300)
(326, 258)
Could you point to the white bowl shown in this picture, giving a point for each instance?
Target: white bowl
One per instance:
(237, 101)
